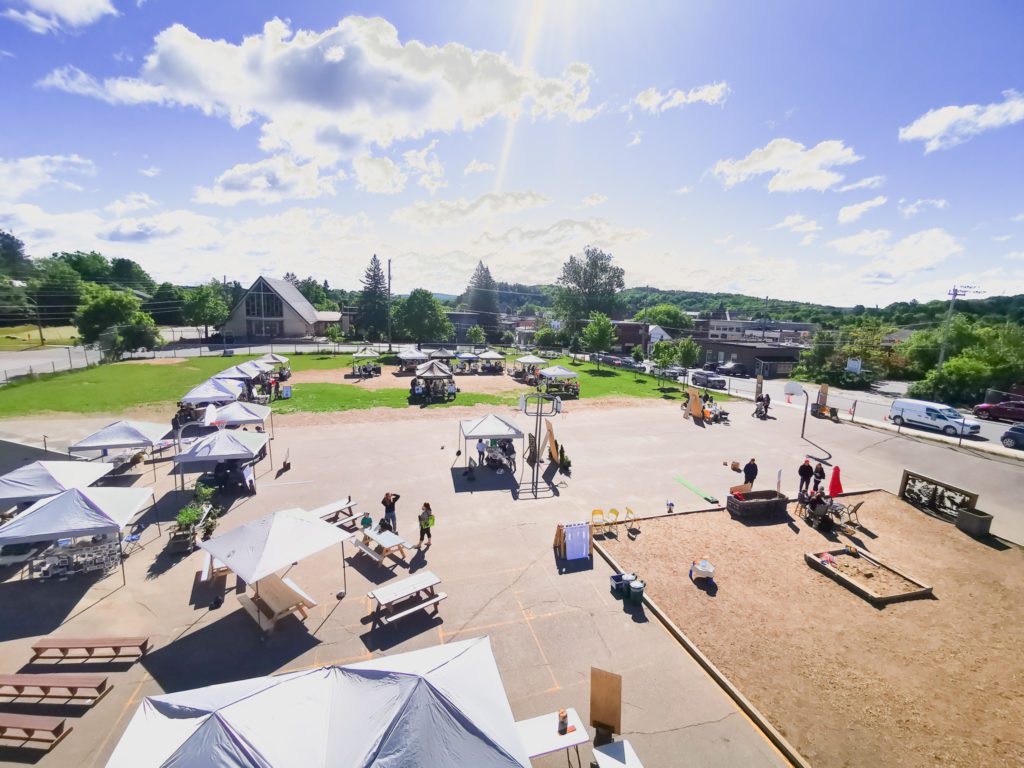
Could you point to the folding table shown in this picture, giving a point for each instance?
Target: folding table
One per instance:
(540, 735)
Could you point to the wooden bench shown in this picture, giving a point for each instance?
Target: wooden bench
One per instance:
(309, 601)
(366, 550)
(38, 729)
(59, 686)
(433, 601)
(90, 645)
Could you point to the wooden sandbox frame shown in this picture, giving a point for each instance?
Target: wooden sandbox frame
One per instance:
(813, 559)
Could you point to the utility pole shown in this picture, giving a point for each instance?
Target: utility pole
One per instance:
(39, 323)
(954, 294)
(389, 305)
(764, 320)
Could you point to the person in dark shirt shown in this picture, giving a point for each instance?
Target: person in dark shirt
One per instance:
(819, 475)
(806, 473)
(750, 472)
(388, 502)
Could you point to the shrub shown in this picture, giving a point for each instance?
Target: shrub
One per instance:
(189, 515)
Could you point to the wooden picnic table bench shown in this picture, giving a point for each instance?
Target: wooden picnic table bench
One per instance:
(402, 598)
(340, 512)
(63, 645)
(39, 729)
(212, 567)
(56, 686)
(276, 598)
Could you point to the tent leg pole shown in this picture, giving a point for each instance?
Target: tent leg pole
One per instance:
(120, 556)
(156, 514)
(344, 573)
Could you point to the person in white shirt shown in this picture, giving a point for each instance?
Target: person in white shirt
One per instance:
(481, 448)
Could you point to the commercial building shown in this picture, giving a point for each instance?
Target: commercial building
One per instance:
(766, 359)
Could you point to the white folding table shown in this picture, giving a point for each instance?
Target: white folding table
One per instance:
(540, 735)
(618, 754)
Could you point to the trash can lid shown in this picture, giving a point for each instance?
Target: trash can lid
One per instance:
(637, 585)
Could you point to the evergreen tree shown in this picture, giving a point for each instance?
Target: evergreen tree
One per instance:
(482, 296)
(372, 317)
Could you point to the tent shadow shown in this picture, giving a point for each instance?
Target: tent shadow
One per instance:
(51, 603)
(484, 480)
(375, 573)
(230, 648)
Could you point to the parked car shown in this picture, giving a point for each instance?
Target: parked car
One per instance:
(674, 372)
(938, 416)
(733, 369)
(706, 379)
(1008, 410)
(712, 366)
(1013, 437)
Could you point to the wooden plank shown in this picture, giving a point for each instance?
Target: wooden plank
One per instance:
(605, 700)
(68, 687)
(118, 646)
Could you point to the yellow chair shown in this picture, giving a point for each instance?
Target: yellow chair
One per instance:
(611, 519)
(597, 521)
(630, 520)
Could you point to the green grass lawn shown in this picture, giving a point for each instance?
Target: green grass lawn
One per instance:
(18, 337)
(119, 387)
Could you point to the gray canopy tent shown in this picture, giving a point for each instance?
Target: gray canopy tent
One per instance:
(124, 434)
(239, 413)
(41, 479)
(222, 445)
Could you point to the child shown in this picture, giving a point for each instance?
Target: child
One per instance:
(426, 519)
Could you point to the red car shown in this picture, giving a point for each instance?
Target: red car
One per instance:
(1009, 410)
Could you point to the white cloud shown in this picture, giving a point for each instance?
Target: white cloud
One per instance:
(426, 162)
(379, 175)
(595, 199)
(793, 166)
(1016, 255)
(332, 94)
(948, 126)
(136, 201)
(799, 223)
(445, 213)
(850, 213)
(23, 176)
(266, 181)
(908, 209)
(1001, 238)
(1019, 217)
(151, 172)
(868, 242)
(724, 239)
(683, 190)
(636, 139)
(653, 101)
(42, 16)
(871, 182)
(567, 233)
(745, 249)
(477, 167)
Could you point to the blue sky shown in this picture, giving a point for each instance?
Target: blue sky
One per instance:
(802, 150)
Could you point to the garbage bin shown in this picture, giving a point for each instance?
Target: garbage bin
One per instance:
(627, 579)
(636, 592)
(286, 392)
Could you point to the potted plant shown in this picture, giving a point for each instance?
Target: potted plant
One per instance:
(188, 519)
(209, 525)
(564, 462)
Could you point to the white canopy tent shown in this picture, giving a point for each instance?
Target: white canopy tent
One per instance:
(244, 371)
(78, 512)
(41, 479)
(467, 356)
(239, 413)
(490, 354)
(531, 360)
(558, 372)
(365, 354)
(433, 370)
(264, 546)
(224, 445)
(442, 354)
(273, 358)
(489, 427)
(214, 391)
(440, 706)
(412, 355)
(123, 434)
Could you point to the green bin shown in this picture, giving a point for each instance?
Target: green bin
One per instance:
(636, 592)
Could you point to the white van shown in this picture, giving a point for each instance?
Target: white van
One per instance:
(921, 413)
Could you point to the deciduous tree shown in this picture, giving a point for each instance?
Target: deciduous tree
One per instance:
(598, 335)
(106, 310)
(422, 317)
(205, 306)
(587, 283)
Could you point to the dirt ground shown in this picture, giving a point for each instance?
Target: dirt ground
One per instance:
(492, 385)
(920, 683)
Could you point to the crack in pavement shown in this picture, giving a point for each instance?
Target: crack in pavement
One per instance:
(499, 593)
(682, 727)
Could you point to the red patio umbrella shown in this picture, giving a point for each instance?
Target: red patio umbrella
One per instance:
(835, 485)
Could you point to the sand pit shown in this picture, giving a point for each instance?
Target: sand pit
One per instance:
(490, 385)
(921, 683)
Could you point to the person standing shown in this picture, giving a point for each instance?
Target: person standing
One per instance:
(806, 472)
(426, 519)
(819, 475)
(767, 402)
(277, 389)
(481, 447)
(388, 502)
(750, 472)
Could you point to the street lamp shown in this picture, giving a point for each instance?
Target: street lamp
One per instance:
(794, 388)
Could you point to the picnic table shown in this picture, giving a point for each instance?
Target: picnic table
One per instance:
(540, 734)
(408, 595)
(275, 599)
(384, 542)
(340, 513)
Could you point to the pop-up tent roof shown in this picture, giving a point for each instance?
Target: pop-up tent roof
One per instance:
(78, 512)
(273, 358)
(442, 354)
(489, 427)
(433, 370)
(224, 445)
(411, 355)
(244, 371)
(214, 391)
(490, 354)
(47, 478)
(441, 706)
(240, 413)
(264, 546)
(467, 356)
(558, 372)
(123, 434)
(531, 360)
(365, 354)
